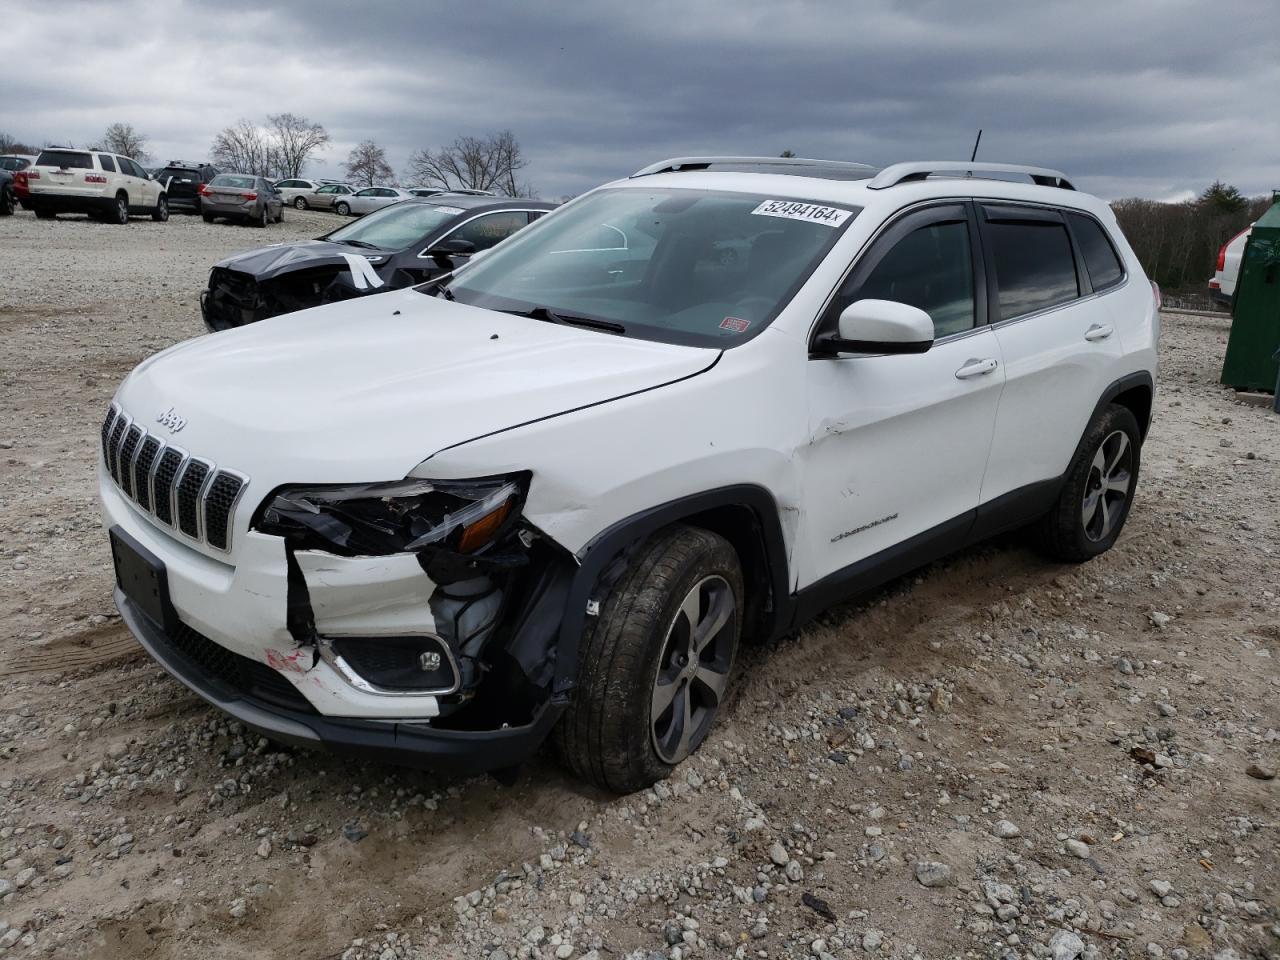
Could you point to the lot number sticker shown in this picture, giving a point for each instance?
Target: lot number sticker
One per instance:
(809, 212)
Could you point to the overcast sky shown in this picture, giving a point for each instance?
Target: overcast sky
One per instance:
(1151, 98)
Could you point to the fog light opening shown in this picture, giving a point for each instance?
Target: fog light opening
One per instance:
(394, 666)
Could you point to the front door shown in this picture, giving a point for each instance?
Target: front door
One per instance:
(900, 442)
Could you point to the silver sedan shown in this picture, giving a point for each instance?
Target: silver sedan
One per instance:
(370, 199)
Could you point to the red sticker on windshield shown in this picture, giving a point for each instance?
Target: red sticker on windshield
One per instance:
(734, 324)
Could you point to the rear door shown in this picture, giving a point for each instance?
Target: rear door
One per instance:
(1058, 338)
(66, 173)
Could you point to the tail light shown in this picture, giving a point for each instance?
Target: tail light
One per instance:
(204, 190)
(1222, 254)
(94, 178)
(32, 173)
(20, 187)
(249, 196)
(1155, 292)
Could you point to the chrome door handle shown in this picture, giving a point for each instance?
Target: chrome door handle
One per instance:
(974, 367)
(1099, 331)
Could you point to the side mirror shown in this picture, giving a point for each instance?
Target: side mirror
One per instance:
(444, 251)
(879, 326)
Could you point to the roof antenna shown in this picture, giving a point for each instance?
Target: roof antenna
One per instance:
(974, 156)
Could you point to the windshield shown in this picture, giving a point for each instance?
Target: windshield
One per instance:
(699, 267)
(395, 227)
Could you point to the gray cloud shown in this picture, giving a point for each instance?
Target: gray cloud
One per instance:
(1130, 98)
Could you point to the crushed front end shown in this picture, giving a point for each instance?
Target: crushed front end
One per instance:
(413, 621)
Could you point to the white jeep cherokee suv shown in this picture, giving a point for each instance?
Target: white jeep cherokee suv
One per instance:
(103, 185)
(553, 494)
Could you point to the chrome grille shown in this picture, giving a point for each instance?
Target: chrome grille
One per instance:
(189, 494)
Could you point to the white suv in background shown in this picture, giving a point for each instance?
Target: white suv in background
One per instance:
(552, 493)
(1222, 288)
(106, 186)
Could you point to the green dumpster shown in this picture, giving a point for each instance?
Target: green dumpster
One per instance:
(1255, 326)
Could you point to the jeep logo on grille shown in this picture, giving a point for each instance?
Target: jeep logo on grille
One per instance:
(171, 420)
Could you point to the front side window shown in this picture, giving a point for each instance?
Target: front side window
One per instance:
(699, 267)
(1033, 264)
(491, 229)
(1100, 258)
(395, 227)
(930, 268)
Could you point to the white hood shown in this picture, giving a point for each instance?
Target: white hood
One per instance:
(367, 389)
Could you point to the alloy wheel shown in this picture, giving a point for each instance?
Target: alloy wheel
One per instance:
(693, 669)
(1107, 489)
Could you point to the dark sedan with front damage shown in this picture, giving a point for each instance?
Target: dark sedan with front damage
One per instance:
(401, 245)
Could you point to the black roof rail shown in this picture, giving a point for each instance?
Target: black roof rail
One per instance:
(918, 170)
(828, 169)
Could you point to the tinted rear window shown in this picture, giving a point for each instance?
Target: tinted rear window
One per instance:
(1034, 266)
(107, 164)
(232, 180)
(71, 159)
(1100, 257)
(178, 174)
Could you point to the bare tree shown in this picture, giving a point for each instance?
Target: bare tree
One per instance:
(367, 164)
(295, 139)
(472, 163)
(11, 144)
(244, 148)
(124, 139)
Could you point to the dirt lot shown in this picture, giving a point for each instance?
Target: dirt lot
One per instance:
(997, 757)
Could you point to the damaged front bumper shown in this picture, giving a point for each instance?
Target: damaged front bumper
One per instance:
(287, 640)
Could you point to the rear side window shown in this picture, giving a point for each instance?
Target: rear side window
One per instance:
(1033, 264)
(67, 159)
(1100, 257)
(107, 163)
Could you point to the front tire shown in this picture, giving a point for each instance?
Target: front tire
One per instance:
(1095, 500)
(161, 213)
(300, 203)
(343, 209)
(655, 665)
(7, 203)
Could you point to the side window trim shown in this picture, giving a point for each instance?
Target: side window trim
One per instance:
(894, 229)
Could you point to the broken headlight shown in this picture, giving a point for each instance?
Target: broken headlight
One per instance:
(376, 519)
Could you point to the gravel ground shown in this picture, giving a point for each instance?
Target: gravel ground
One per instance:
(995, 757)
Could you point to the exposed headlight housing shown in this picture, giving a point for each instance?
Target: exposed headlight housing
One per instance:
(404, 516)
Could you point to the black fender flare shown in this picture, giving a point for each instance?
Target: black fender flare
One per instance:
(609, 545)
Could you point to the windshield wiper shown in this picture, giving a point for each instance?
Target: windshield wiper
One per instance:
(568, 319)
(359, 243)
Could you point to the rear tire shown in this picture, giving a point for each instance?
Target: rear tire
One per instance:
(161, 213)
(261, 220)
(1098, 493)
(207, 217)
(654, 666)
(343, 210)
(119, 214)
(45, 214)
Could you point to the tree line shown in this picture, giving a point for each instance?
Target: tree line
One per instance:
(1177, 243)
